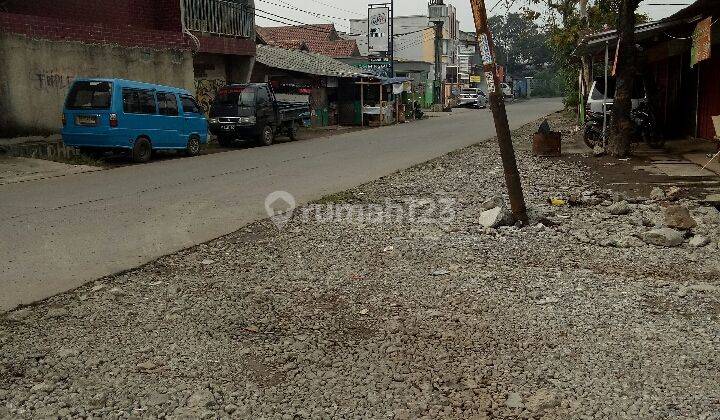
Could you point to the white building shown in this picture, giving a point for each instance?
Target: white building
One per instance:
(415, 38)
(467, 54)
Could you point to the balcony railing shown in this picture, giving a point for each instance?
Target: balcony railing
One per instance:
(219, 17)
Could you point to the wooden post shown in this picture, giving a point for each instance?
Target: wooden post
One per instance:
(382, 111)
(397, 110)
(362, 104)
(497, 105)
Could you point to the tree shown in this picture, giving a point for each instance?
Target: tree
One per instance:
(520, 43)
(621, 127)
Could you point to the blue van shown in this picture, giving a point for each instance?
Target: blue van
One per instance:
(113, 114)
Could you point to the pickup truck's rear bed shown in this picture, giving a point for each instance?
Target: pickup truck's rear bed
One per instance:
(293, 111)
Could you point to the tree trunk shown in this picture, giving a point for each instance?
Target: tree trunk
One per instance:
(621, 126)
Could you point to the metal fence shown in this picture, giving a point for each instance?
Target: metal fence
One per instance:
(218, 17)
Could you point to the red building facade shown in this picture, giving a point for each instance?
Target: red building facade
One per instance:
(132, 23)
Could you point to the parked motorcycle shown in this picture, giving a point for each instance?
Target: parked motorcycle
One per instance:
(644, 128)
(419, 114)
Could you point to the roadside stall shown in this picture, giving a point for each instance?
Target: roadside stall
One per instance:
(384, 100)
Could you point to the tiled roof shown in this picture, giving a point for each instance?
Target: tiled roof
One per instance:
(339, 48)
(304, 62)
(291, 45)
(321, 39)
(301, 32)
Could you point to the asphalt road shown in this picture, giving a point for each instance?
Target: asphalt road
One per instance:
(59, 233)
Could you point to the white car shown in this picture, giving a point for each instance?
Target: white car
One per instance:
(597, 94)
(472, 97)
(507, 91)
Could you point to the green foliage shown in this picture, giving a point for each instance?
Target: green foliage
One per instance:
(548, 83)
(520, 43)
(564, 28)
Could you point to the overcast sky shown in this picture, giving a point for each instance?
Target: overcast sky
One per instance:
(339, 11)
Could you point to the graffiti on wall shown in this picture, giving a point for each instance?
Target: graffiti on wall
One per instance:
(206, 89)
(48, 80)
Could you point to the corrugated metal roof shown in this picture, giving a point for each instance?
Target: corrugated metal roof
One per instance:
(305, 62)
(596, 41)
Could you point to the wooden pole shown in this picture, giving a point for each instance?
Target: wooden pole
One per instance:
(382, 111)
(497, 105)
(362, 104)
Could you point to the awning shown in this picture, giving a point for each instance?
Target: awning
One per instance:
(394, 80)
(596, 42)
(306, 62)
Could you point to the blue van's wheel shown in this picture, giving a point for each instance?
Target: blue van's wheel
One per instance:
(193, 146)
(142, 151)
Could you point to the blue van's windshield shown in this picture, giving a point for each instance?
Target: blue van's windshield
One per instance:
(90, 95)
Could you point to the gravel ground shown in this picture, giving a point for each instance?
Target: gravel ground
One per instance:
(395, 317)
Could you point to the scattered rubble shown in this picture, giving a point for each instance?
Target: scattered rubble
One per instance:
(664, 237)
(493, 202)
(620, 208)
(542, 400)
(678, 217)
(496, 217)
(699, 241)
(657, 193)
(675, 193)
(580, 315)
(514, 400)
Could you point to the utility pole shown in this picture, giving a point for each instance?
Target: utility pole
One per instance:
(497, 105)
(392, 38)
(437, 17)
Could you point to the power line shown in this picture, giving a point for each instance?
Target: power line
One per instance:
(289, 22)
(413, 32)
(319, 29)
(425, 38)
(302, 10)
(496, 5)
(420, 38)
(327, 18)
(337, 8)
(288, 5)
(343, 25)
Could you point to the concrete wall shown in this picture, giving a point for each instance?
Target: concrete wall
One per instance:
(213, 71)
(35, 75)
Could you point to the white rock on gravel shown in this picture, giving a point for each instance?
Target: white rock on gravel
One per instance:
(496, 217)
(699, 241)
(665, 237)
(202, 398)
(620, 208)
(514, 400)
(542, 400)
(657, 193)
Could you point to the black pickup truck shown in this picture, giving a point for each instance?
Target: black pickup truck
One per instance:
(252, 112)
